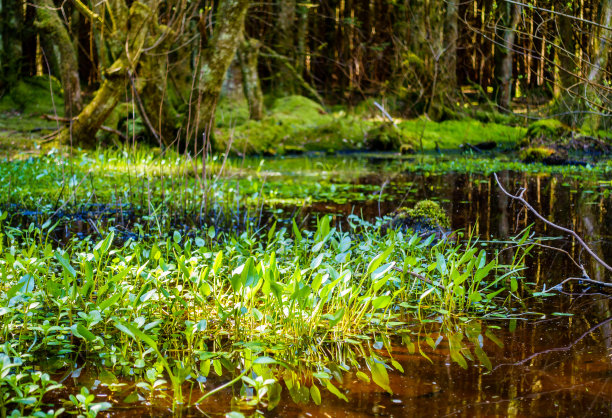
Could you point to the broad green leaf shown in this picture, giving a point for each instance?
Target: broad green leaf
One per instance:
(379, 374)
(315, 394)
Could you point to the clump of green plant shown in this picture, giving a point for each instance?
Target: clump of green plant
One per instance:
(536, 154)
(425, 213)
(384, 137)
(259, 309)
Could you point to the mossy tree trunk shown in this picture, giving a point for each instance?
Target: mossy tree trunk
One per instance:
(505, 32)
(216, 58)
(248, 53)
(83, 129)
(64, 53)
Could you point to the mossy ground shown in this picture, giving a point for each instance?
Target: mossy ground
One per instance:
(295, 123)
(292, 125)
(21, 124)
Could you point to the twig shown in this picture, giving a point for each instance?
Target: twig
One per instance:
(385, 113)
(549, 223)
(597, 282)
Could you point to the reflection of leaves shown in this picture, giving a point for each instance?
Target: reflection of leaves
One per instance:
(379, 374)
(482, 356)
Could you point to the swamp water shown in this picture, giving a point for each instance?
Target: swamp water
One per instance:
(547, 363)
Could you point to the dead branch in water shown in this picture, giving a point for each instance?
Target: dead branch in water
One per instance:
(520, 198)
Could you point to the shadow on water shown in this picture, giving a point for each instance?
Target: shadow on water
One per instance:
(549, 365)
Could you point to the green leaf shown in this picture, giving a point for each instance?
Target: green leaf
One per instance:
(363, 377)
(176, 237)
(136, 334)
(379, 374)
(218, 261)
(25, 285)
(66, 264)
(107, 378)
(264, 360)
(315, 394)
(335, 391)
(377, 261)
(381, 302)
(513, 284)
(85, 333)
(297, 233)
(109, 302)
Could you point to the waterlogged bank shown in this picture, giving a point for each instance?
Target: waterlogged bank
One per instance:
(299, 346)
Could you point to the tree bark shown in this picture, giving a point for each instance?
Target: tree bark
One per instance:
(64, 53)
(217, 57)
(248, 53)
(509, 15)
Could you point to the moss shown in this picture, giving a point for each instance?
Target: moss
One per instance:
(430, 212)
(384, 137)
(297, 105)
(550, 129)
(34, 96)
(426, 213)
(536, 154)
(452, 134)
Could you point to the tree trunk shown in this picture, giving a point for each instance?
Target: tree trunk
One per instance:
(65, 55)
(248, 53)
(595, 97)
(285, 44)
(217, 57)
(84, 127)
(11, 17)
(509, 15)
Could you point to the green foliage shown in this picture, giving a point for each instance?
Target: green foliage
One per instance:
(146, 299)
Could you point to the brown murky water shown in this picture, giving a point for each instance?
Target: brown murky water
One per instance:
(549, 365)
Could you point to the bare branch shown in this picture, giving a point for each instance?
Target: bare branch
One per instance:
(549, 223)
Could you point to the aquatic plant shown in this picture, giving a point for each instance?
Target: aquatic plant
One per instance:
(260, 309)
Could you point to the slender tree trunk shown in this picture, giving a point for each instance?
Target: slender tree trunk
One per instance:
(248, 53)
(217, 57)
(58, 39)
(509, 15)
(593, 94)
(285, 43)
